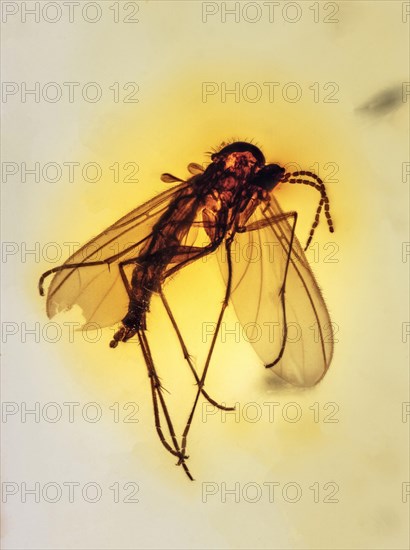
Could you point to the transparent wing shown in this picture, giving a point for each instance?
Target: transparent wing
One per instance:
(259, 266)
(99, 289)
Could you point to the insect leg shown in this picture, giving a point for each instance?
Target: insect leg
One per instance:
(124, 278)
(66, 266)
(211, 349)
(187, 357)
(182, 254)
(272, 221)
(156, 390)
(282, 291)
(268, 221)
(190, 254)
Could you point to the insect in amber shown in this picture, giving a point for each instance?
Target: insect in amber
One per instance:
(232, 200)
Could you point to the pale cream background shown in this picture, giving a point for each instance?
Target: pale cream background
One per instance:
(170, 52)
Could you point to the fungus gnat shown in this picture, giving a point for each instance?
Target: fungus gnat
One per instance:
(232, 200)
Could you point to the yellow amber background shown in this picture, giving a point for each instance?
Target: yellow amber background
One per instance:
(170, 53)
